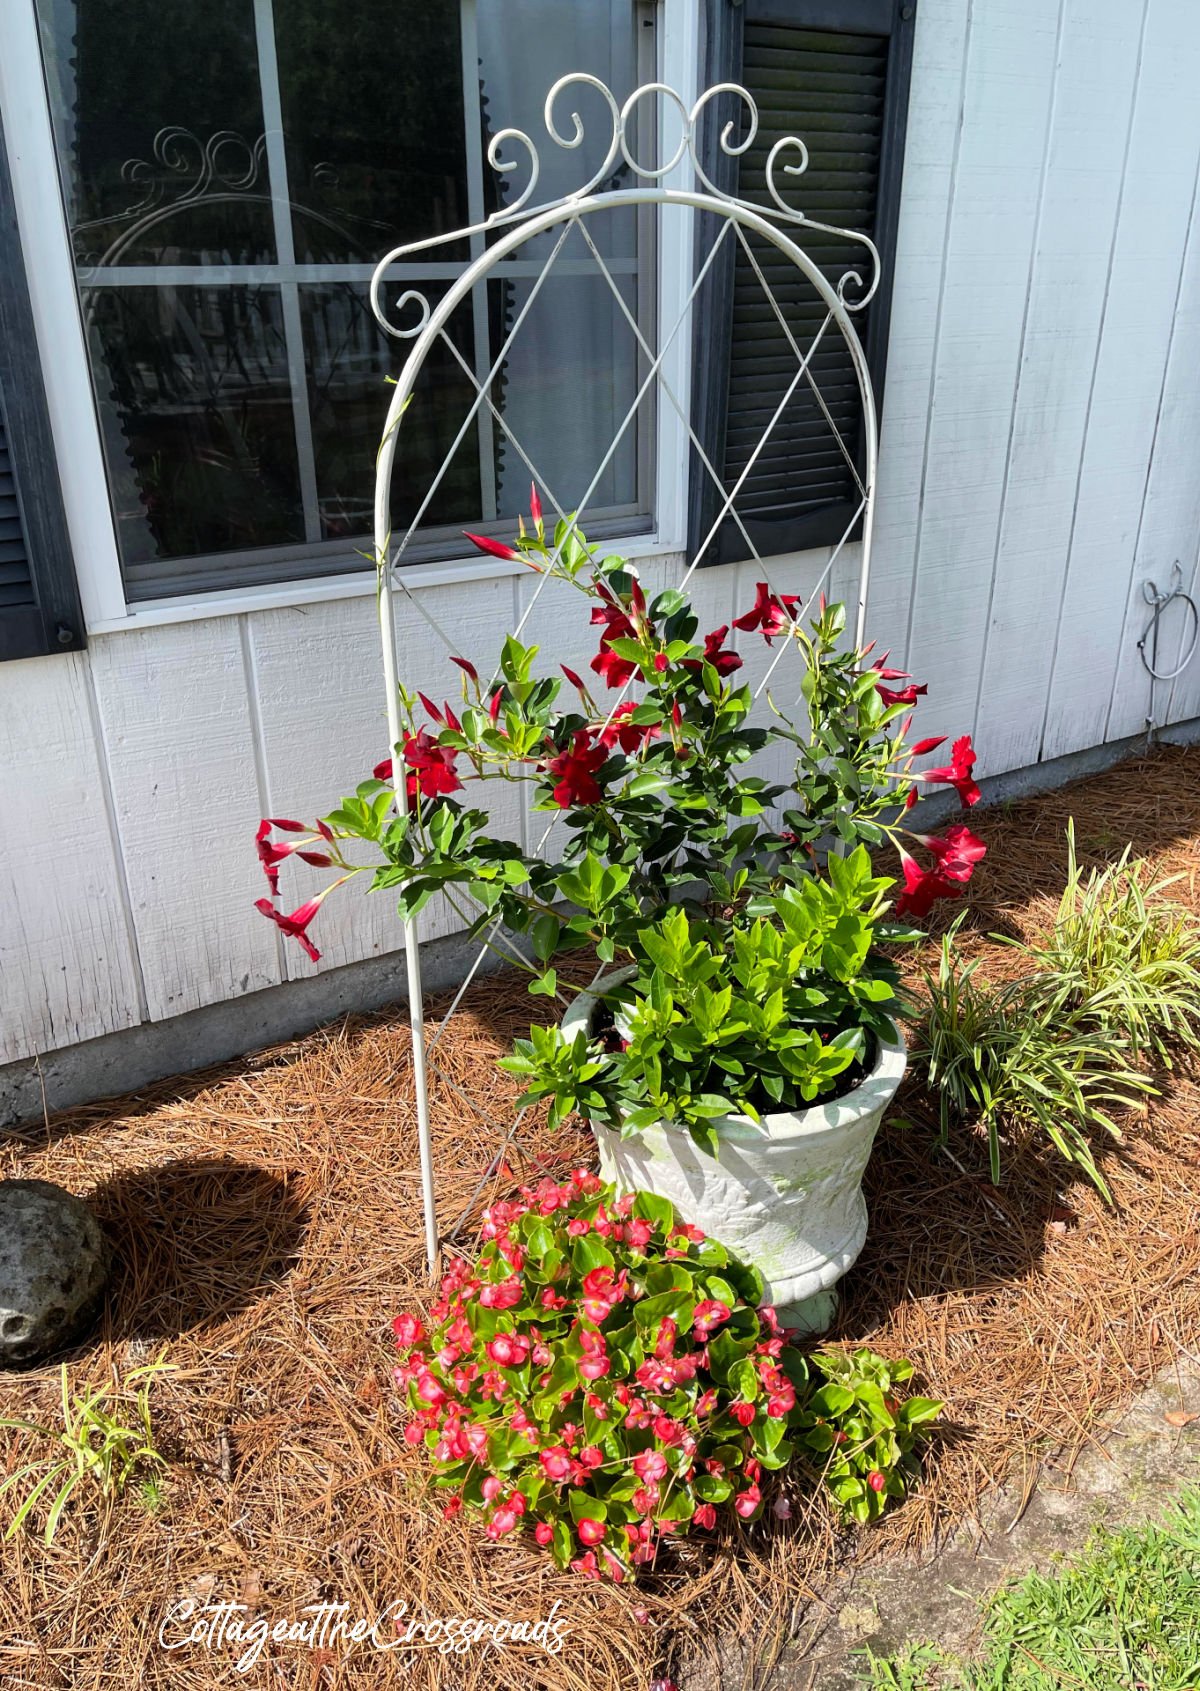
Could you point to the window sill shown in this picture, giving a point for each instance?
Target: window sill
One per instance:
(359, 584)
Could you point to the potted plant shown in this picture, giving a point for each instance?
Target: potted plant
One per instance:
(737, 1043)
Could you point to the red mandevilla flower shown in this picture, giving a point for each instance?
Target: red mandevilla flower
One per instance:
(434, 764)
(923, 887)
(493, 548)
(576, 770)
(615, 670)
(630, 736)
(957, 851)
(956, 774)
(271, 855)
(770, 612)
(297, 924)
(723, 659)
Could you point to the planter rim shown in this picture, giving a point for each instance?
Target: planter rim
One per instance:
(873, 1092)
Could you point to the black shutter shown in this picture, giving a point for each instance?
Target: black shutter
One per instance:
(39, 600)
(836, 74)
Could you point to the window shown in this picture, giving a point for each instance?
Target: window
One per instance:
(39, 604)
(232, 171)
(835, 73)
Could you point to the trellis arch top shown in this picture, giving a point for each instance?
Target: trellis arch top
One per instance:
(410, 317)
(498, 236)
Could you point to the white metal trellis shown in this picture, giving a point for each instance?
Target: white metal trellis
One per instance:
(775, 222)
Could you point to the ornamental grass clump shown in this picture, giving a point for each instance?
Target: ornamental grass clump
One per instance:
(602, 1379)
(1114, 985)
(1127, 958)
(1024, 1057)
(647, 761)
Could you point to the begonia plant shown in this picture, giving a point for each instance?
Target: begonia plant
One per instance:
(602, 1378)
(650, 762)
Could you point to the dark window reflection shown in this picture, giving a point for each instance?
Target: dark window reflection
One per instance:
(196, 408)
(159, 115)
(372, 99)
(348, 358)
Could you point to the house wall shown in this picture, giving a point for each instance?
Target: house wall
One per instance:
(1039, 461)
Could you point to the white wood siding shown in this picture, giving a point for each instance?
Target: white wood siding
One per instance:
(1040, 460)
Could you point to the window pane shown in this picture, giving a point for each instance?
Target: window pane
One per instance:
(372, 99)
(567, 386)
(523, 50)
(158, 116)
(196, 412)
(234, 169)
(349, 358)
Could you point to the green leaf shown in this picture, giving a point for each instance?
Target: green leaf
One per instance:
(585, 1507)
(545, 932)
(589, 1251)
(659, 1212)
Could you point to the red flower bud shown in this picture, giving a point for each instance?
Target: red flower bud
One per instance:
(494, 548)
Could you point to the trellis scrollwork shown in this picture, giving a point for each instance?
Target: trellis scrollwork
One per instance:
(512, 149)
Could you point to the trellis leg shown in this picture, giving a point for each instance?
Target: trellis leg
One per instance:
(412, 942)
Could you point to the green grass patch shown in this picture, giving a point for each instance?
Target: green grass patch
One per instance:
(1124, 1617)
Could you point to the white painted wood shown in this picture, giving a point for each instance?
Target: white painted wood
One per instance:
(67, 970)
(1169, 529)
(1143, 292)
(1068, 288)
(320, 707)
(176, 722)
(320, 590)
(1011, 60)
(931, 150)
(50, 272)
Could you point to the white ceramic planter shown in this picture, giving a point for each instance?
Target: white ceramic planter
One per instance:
(784, 1194)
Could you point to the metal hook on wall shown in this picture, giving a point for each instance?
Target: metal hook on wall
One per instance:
(1158, 601)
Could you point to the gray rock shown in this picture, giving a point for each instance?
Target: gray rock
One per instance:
(54, 1263)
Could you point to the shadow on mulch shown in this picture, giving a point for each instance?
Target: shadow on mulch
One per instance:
(194, 1243)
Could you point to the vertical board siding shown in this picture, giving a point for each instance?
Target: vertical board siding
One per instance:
(1169, 530)
(66, 960)
(1038, 463)
(1011, 61)
(178, 738)
(322, 719)
(931, 148)
(1098, 59)
(1143, 295)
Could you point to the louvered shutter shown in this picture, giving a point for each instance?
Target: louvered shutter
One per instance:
(835, 73)
(39, 601)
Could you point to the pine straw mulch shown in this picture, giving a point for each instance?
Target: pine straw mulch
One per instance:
(268, 1226)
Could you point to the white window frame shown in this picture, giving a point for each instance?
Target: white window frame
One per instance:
(46, 241)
